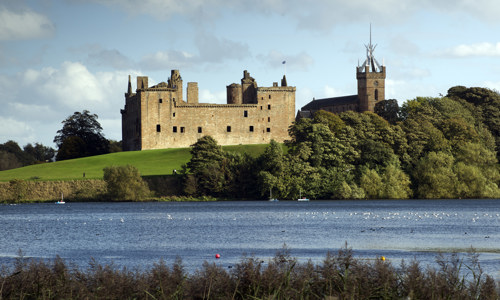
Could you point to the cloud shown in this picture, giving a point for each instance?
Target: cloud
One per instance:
(219, 97)
(13, 128)
(165, 60)
(25, 24)
(319, 15)
(214, 49)
(480, 49)
(211, 49)
(296, 62)
(40, 99)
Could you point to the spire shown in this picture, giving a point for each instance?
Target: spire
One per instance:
(370, 61)
(129, 90)
(283, 81)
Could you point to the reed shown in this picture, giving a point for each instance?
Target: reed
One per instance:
(339, 276)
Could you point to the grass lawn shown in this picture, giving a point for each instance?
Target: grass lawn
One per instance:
(149, 162)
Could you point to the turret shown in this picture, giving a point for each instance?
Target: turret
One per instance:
(371, 80)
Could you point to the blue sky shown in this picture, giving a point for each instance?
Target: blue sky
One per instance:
(62, 56)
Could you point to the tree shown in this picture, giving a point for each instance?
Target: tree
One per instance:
(125, 183)
(40, 152)
(389, 110)
(87, 129)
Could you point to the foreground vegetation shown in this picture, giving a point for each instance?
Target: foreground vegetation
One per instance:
(340, 276)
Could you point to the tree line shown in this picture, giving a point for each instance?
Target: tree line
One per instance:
(444, 147)
(80, 136)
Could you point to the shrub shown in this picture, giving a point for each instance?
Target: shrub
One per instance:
(125, 183)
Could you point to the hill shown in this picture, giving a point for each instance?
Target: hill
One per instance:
(149, 163)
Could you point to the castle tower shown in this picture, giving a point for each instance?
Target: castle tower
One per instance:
(371, 80)
(249, 88)
(175, 82)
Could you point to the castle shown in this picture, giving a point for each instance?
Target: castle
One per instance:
(157, 117)
(371, 89)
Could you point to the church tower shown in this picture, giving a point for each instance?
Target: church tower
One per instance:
(371, 80)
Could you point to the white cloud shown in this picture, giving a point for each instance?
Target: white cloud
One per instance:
(41, 99)
(12, 128)
(480, 49)
(207, 96)
(24, 25)
(165, 60)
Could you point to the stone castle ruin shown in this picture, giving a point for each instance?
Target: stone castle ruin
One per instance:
(157, 117)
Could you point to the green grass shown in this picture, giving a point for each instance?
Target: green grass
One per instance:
(149, 163)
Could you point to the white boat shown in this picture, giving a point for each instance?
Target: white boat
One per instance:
(302, 199)
(271, 199)
(62, 200)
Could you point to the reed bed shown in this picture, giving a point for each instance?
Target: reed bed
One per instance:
(339, 276)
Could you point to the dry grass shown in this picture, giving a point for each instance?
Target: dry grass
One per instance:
(340, 276)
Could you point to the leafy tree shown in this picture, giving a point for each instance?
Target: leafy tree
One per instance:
(87, 139)
(333, 121)
(389, 110)
(40, 152)
(125, 183)
(8, 161)
(434, 176)
(12, 147)
(115, 146)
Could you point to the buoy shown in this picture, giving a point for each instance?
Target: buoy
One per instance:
(217, 255)
(382, 258)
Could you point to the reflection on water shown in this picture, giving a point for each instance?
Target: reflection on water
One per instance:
(139, 234)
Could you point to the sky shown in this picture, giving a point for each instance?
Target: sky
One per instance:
(58, 57)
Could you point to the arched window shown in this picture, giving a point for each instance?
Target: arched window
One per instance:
(376, 95)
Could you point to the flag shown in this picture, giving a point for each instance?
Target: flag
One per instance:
(284, 62)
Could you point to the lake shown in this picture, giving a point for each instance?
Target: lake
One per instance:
(140, 234)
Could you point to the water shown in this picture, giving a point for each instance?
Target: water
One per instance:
(140, 234)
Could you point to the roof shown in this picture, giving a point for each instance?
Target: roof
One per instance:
(320, 103)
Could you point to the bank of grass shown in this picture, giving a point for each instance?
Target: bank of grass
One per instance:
(340, 276)
(149, 163)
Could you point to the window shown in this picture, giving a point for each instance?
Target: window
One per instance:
(268, 129)
(251, 128)
(245, 113)
(269, 96)
(161, 100)
(376, 95)
(175, 129)
(182, 129)
(199, 130)
(228, 128)
(269, 106)
(269, 119)
(173, 115)
(261, 107)
(158, 128)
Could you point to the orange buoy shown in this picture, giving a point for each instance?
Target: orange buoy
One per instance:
(217, 255)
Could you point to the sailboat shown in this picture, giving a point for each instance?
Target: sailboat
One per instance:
(302, 199)
(271, 199)
(62, 199)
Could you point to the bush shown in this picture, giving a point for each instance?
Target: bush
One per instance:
(125, 183)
